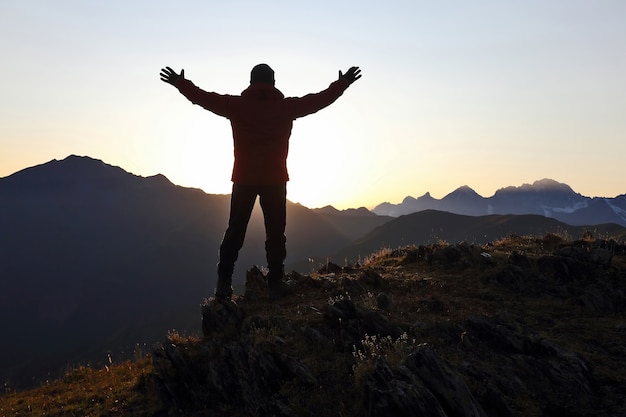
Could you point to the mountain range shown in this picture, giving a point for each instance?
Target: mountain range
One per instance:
(545, 197)
(95, 260)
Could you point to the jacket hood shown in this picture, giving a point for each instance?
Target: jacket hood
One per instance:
(262, 91)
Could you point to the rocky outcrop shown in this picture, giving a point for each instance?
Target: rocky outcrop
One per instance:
(422, 385)
(391, 341)
(579, 272)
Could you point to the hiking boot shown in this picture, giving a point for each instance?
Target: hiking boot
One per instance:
(224, 290)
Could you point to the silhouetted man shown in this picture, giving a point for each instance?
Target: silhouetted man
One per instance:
(261, 119)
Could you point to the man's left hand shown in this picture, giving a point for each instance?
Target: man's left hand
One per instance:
(353, 74)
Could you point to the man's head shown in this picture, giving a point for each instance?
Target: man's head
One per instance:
(262, 73)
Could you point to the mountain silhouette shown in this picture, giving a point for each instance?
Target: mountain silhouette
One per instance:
(545, 197)
(352, 223)
(93, 258)
(432, 226)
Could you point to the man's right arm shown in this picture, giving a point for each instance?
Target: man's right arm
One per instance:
(213, 102)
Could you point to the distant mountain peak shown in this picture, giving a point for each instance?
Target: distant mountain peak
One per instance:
(464, 189)
(355, 212)
(547, 184)
(74, 157)
(159, 179)
(327, 210)
(425, 199)
(543, 185)
(78, 171)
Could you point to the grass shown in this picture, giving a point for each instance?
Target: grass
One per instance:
(116, 390)
(375, 347)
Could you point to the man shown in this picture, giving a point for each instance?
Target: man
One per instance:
(261, 119)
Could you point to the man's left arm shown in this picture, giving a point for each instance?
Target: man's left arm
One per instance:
(312, 103)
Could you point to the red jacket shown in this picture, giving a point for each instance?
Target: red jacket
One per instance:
(261, 119)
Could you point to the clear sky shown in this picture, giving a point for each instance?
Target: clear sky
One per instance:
(485, 93)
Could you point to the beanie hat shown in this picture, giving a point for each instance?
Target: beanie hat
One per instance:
(262, 73)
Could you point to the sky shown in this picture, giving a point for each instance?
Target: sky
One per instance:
(484, 93)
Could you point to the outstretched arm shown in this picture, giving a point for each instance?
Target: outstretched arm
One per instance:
(312, 103)
(353, 74)
(169, 76)
(216, 103)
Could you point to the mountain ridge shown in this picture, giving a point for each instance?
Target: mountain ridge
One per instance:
(544, 197)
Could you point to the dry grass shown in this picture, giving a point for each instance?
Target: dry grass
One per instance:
(116, 390)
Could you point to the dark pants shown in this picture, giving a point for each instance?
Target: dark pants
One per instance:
(273, 199)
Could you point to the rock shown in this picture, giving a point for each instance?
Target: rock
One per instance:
(387, 394)
(488, 259)
(460, 255)
(498, 336)
(602, 257)
(343, 309)
(256, 284)
(300, 280)
(371, 277)
(435, 305)
(446, 385)
(602, 298)
(352, 287)
(318, 338)
(349, 323)
(239, 373)
(494, 404)
(600, 253)
(372, 322)
(422, 385)
(578, 273)
(220, 317)
(330, 268)
(532, 366)
(383, 301)
(413, 254)
(516, 278)
(519, 259)
(446, 255)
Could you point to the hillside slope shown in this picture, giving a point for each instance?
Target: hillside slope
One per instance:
(521, 327)
(431, 226)
(94, 259)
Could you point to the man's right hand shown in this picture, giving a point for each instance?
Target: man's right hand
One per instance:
(169, 76)
(353, 74)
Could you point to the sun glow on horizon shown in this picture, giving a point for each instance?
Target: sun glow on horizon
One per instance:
(452, 94)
